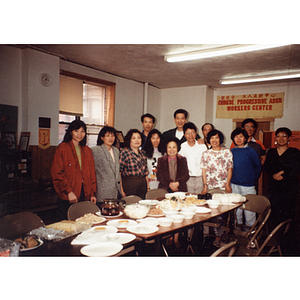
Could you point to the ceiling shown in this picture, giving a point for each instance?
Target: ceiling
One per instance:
(145, 62)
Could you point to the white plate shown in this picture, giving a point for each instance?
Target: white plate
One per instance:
(94, 223)
(201, 204)
(122, 238)
(149, 221)
(92, 236)
(142, 229)
(108, 229)
(202, 210)
(98, 213)
(101, 249)
(39, 245)
(120, 225)
(149, 202)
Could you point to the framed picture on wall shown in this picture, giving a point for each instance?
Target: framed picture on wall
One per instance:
(24, 141)
(120, 136)
(10, 139)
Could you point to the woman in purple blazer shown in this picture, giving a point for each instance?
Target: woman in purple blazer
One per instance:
(172, 169)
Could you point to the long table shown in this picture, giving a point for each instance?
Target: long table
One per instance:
(64, 247)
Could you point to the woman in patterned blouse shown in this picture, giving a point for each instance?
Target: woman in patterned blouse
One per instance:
(217, 164)
(133, 165)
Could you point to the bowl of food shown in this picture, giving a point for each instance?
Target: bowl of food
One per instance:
(188, 215)
(136, 211)
(178, 218)
(165, 222)
(213, 203)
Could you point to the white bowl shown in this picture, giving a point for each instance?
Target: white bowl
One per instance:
(170, 213)
(188, 214)
(136, 211)
(213, 203)
(191, 208)
(178, 218)
(165, 222)
(149, 221)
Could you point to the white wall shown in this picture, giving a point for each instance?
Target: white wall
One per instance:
(20, 86)
(192, 99)
(43, 101)
(291, 111)
(153, 105)
(11, 79)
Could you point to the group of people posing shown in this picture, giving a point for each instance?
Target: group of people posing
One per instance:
(176, 160)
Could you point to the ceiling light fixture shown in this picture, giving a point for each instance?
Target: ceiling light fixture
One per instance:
(233, 49)
(259, 79)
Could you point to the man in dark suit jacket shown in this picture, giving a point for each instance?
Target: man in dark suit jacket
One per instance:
(180, 118)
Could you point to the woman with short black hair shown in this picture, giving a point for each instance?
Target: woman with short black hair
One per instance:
(106, 157)
(133, 165)
(283, 166)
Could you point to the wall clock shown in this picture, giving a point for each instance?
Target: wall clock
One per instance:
(45, 79)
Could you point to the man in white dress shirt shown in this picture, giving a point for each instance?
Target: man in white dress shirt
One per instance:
(193, 153)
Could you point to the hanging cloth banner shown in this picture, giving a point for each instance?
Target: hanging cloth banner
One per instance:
(44, 138)
(250, 106)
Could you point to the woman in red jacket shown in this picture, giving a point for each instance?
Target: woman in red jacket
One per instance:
(73, 169)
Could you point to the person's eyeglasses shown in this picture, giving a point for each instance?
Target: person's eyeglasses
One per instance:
(190, 133)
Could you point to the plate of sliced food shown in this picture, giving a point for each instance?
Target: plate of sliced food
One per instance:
(29, 242)
(90, 218)
(155, 212)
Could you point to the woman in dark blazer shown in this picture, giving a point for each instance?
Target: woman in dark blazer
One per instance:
(172, 169)
(106, 157)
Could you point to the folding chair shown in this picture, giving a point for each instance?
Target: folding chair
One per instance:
(79, 209)
(15, 225)
(226, 250)
(271, 244)
(131, 199)
(155, 193)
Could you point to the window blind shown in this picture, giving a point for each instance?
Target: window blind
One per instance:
(70, 96)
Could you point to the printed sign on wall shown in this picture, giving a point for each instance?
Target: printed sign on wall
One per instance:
(264, 105)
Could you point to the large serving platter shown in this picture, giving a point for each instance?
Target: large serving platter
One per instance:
(119, 237)
(142, 229)
(102, 249)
